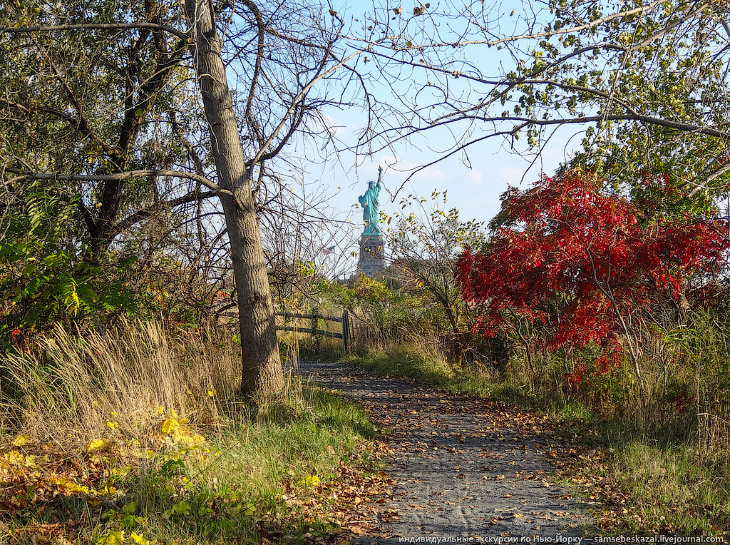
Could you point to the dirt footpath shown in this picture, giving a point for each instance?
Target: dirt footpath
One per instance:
(462, 466)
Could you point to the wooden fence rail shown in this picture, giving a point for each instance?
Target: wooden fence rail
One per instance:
(310, 316)
(345, 331)
(312, 332)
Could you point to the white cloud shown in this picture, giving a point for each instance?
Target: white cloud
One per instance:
(474, 176)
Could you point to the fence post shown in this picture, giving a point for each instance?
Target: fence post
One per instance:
(346, 331)
(315, 337)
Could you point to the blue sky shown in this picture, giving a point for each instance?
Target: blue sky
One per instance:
(473, 188)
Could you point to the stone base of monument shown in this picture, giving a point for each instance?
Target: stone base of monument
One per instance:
(372, 251)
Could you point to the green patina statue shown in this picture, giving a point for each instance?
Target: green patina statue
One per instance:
(369, 202)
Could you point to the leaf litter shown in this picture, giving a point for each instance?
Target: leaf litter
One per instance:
(439, 443)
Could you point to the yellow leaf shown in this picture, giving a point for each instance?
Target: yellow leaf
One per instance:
(212, 392)
(139, 539)
(21, 440)
(309, 480)
(169, 425)
(98, 444)
(250, 509)
(113, 538)
(14, 458)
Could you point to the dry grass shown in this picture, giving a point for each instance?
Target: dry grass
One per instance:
(75, 388)
(137, 430)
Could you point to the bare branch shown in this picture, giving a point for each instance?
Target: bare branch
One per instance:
(297, 100)
(145, 213)
(546, 34)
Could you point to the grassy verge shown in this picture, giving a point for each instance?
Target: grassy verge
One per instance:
(412, 364)
(142, 443)
(646, 481)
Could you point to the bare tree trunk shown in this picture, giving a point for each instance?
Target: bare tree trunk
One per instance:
(262, 372)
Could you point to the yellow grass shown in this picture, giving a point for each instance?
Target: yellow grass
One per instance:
(77, 388)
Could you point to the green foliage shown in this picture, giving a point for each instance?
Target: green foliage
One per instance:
(387, 313)
(646, 87)
(86, 102)
(425, 238)
(44, 276)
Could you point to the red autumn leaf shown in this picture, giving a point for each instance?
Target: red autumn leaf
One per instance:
(576, 260)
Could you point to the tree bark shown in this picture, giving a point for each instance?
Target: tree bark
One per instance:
(262, 372)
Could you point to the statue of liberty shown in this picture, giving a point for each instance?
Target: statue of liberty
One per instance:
(369, 202)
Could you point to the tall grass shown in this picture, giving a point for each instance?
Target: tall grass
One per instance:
(150, 436)
(69, 387)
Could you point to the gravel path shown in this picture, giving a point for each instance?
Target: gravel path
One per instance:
(463, 467)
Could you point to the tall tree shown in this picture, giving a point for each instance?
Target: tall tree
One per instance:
(92, 101)
(262, 369)
(280, 57)
(80, 107)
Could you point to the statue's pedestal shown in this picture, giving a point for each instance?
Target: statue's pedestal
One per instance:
(372, 251)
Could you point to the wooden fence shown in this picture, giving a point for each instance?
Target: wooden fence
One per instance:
(346, 329)
(345, 332)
